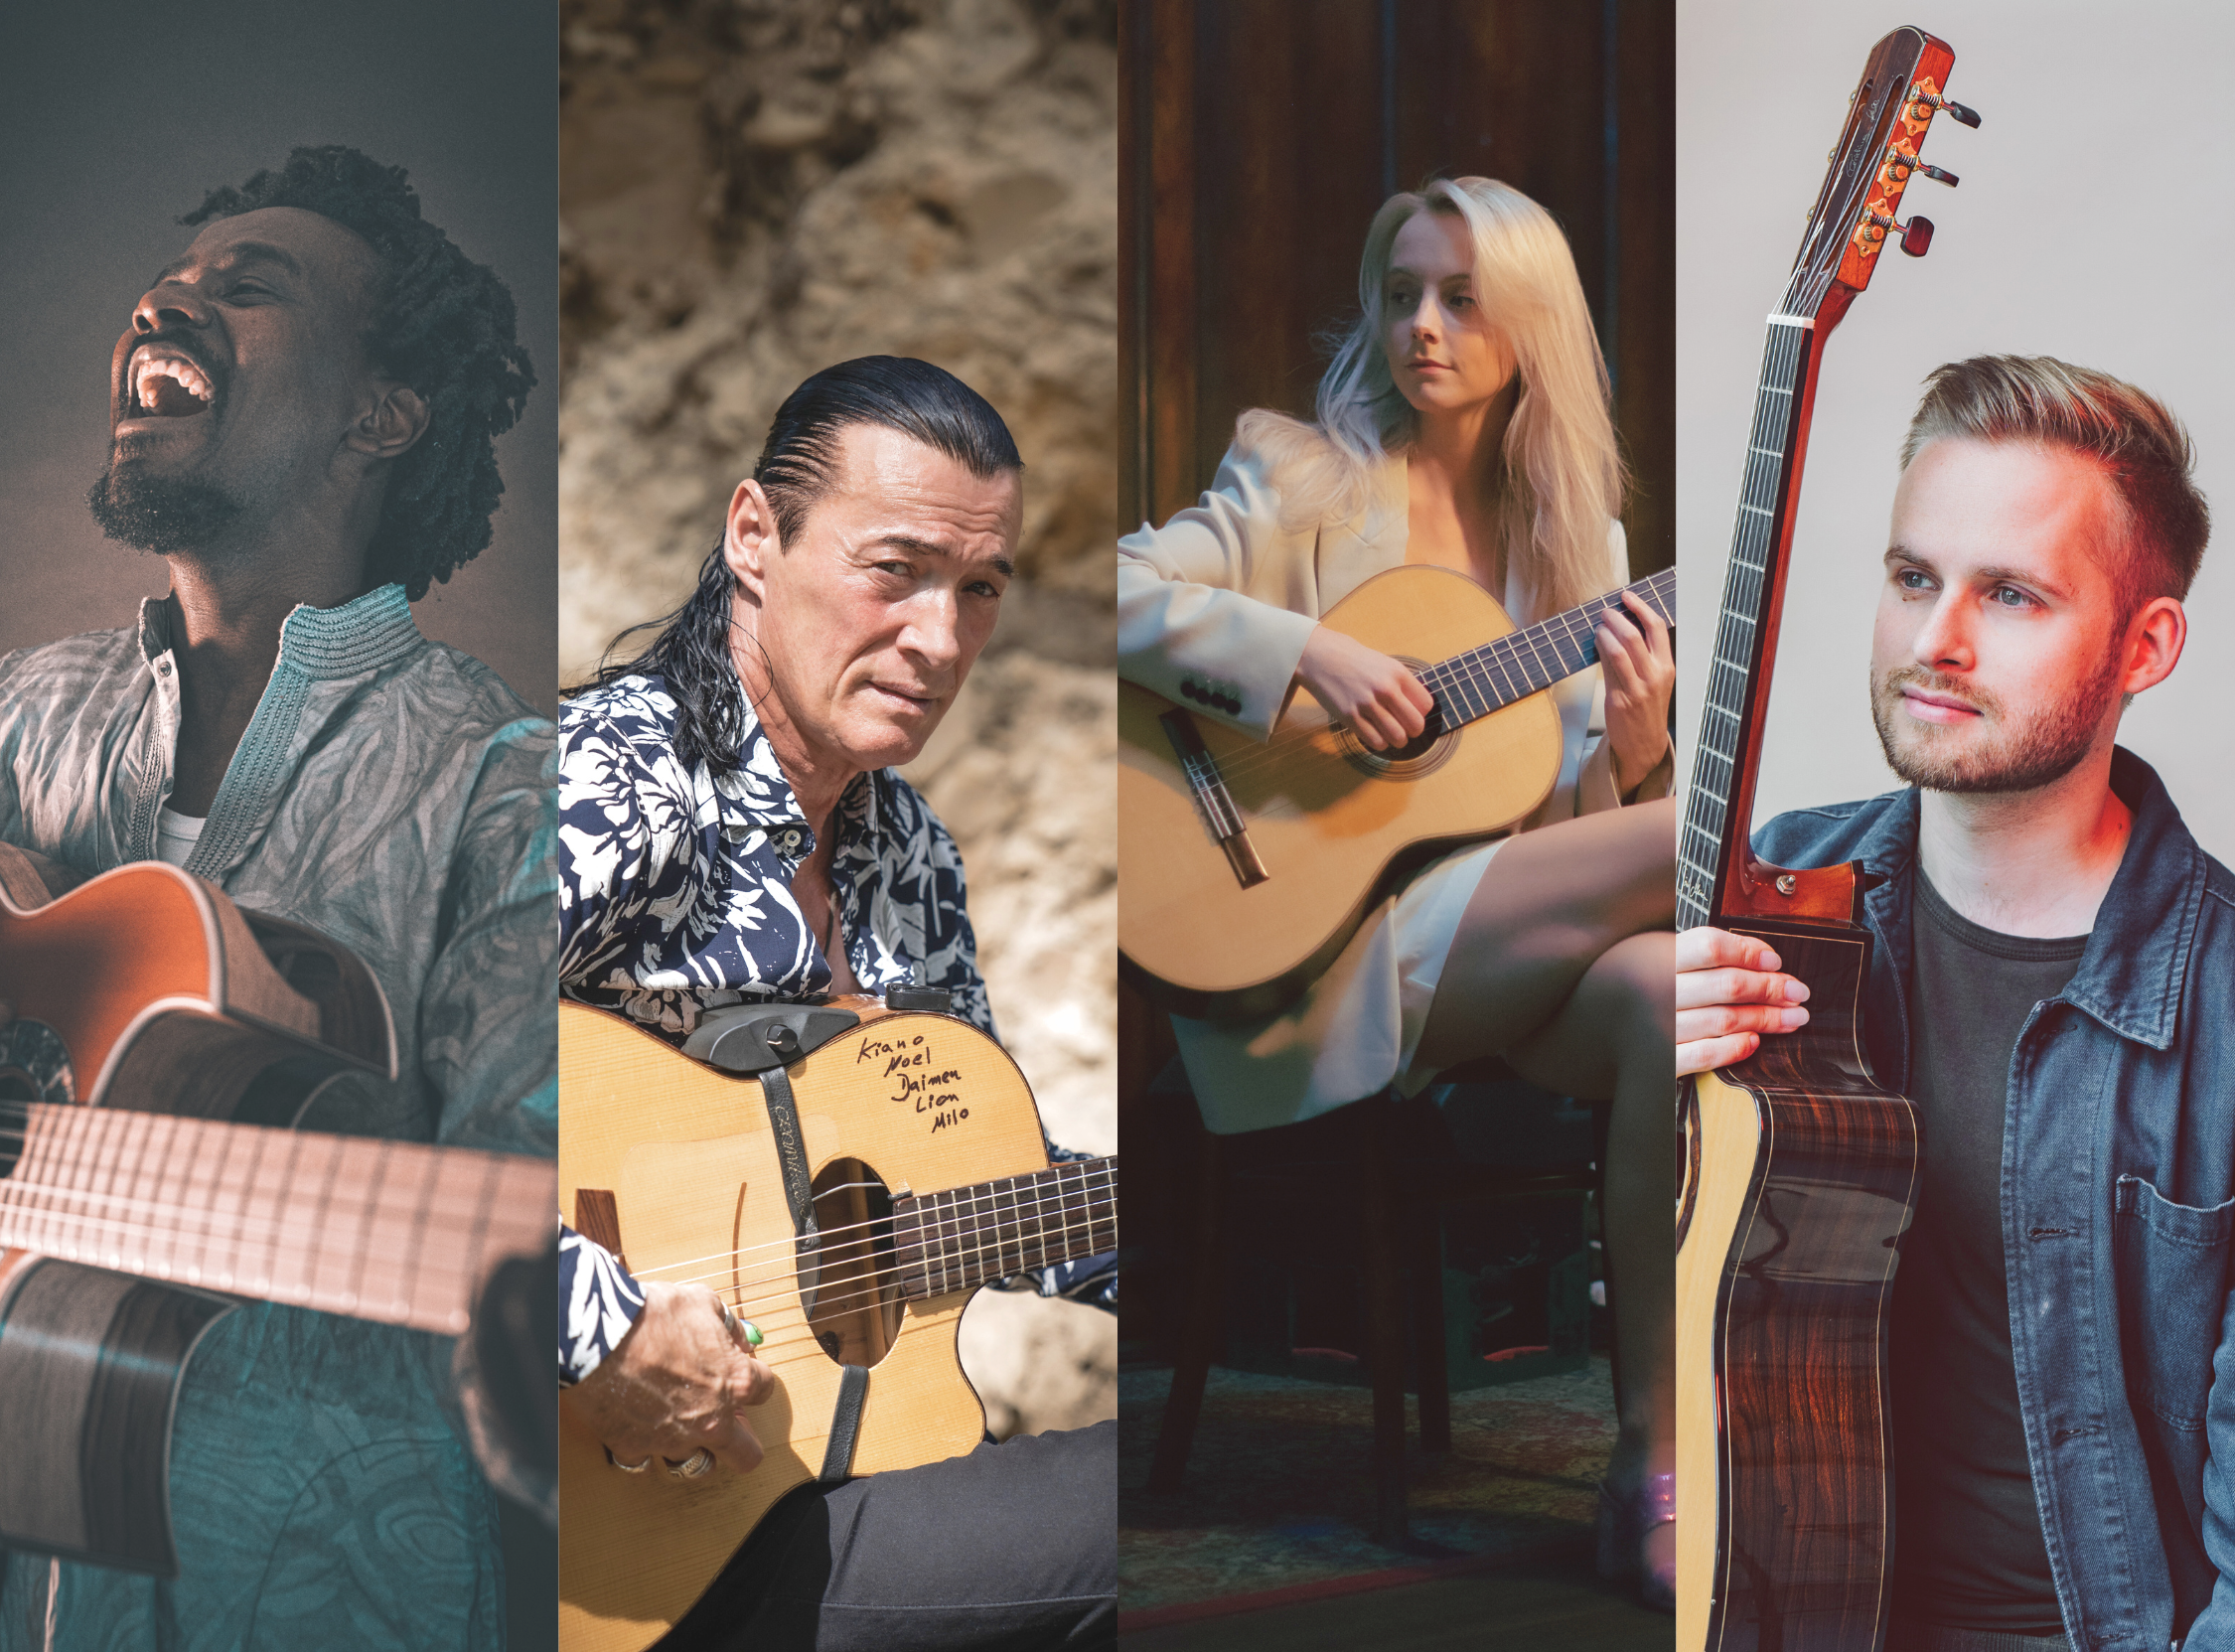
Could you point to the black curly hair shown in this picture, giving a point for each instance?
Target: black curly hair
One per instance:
(443, 325)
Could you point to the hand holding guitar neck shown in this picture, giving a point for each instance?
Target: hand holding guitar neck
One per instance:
(1729, 993)
(1640, 668)
(675, 1385)
(1375, 694)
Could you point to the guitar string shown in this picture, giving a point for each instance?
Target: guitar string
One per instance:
(955, 1264)
(944, 1260)
(36, 1202)
(1088, 1169)
(1451, 674)
(42, 1202)
(788, 1302)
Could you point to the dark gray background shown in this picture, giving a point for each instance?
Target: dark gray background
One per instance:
(116, 118)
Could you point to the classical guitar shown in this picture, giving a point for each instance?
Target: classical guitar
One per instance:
(1247, 863)
(845, 1177)
(1798, 1172)
(160, 1040)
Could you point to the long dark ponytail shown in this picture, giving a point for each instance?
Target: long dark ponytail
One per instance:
(798, 463)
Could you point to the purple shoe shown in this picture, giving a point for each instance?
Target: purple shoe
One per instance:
(1625, 1519)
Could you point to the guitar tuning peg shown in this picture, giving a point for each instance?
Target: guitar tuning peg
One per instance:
(1916, 237)
(1938, 176)
(1961, 114)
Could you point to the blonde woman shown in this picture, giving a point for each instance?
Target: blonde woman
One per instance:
(1462, 422)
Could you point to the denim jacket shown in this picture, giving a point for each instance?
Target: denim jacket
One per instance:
(2118, 1194)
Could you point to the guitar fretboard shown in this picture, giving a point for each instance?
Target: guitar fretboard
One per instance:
(1715, 806)
(967, 1236)
(1523, 662)
(397, 1232)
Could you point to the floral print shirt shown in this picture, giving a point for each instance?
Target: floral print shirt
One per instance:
(676, 881)
(675, 898)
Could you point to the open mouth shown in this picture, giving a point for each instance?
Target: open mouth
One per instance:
(169, 387)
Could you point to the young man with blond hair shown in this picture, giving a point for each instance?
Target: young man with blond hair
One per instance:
(2055, 961)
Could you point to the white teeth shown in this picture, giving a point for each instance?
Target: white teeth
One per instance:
(186, 373)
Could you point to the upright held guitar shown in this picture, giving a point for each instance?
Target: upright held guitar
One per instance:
(1799, 1173)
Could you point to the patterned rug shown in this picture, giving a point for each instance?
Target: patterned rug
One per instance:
(1276, 1498)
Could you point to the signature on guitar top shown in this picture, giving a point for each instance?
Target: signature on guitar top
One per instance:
(919, 1148)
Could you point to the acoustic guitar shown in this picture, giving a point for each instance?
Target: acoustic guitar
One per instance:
(1798, 1174)
(845, 1177)
(1248, 864)
(161, 1040)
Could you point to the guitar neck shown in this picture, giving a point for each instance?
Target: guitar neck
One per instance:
(1524, 662)
(397, 1232)
(1713, 844)
(968, 1236)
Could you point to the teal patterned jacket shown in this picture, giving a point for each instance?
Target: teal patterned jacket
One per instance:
(393, 794)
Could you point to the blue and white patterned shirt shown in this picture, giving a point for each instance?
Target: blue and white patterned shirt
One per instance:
(676, 881)
(675, 898)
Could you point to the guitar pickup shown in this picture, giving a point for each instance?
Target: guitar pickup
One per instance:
(1212, 800)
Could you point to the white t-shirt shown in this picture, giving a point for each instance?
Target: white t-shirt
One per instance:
(176, 834)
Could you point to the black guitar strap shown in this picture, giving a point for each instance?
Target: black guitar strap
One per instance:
(799, 1189)
(799, 1194)
(846, 1424)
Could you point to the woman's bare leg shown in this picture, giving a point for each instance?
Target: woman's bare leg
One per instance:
(1550, 902)
(1615, 1037)
(1565, 964)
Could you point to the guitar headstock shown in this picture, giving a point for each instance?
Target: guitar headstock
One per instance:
(1854, 221)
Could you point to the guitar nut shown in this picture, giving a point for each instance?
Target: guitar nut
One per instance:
(1787, 883)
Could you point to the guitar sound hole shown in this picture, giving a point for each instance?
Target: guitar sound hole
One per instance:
(857, 1304)
(1423, 754)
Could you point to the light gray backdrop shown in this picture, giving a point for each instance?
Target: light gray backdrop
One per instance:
(2093, 223)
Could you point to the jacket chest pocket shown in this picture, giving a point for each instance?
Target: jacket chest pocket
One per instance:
(2173, 1263)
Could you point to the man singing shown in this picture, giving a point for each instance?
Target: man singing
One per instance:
(304, 409)
(731, 831)
(2051, 987)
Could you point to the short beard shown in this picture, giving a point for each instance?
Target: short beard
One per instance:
(2022, 761)
(161, 515)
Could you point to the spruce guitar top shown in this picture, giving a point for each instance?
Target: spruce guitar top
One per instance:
(1798, 1172)
(160, 1040)
(844, 1177)
(1248, 864)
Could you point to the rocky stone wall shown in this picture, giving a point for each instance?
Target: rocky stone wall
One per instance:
(755, 189)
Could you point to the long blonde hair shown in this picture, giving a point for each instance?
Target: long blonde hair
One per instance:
(1563, 473)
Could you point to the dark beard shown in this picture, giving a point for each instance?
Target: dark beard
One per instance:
(161, 515)
(2021, 762)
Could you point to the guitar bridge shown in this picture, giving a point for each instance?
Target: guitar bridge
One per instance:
(1212, 800)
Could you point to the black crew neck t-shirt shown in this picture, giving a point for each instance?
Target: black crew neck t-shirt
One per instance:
(1967, 1532)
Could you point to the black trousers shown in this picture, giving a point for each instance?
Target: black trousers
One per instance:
(1011, 1549)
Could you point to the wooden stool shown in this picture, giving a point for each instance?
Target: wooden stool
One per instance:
(1393, 1236)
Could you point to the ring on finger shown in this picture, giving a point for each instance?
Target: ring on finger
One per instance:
(627, 1467)
(698, 1463)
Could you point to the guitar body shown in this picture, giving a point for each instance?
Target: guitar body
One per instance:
(688, 1157)
(1799, 1178)
(1329, 820)
(1799, 1172)
(89, 1367)
(147, 984)
(142, 987)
